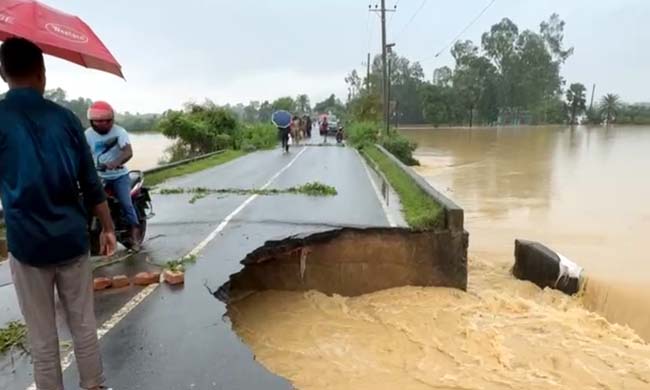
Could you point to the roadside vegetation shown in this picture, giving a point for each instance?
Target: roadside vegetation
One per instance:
(367, 133)
(420, 210)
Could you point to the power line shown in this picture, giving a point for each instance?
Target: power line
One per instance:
(412, 18)
(453, 41)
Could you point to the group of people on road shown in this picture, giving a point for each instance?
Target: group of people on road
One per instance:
(299, 129)
(49, 183)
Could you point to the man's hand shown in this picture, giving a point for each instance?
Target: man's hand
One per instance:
(107, 243)
(112, 165)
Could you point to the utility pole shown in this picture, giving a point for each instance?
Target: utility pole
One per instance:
(383, 11)
(593, 92)
(368, 75)
(389, 49)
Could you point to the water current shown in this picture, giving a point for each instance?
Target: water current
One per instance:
(581, 191)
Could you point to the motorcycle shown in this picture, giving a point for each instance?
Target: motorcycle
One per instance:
(141, 202)
(339, 135)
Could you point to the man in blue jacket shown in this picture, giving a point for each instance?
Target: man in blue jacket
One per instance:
(47, 175)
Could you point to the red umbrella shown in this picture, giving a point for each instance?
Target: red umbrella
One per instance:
(56, 33)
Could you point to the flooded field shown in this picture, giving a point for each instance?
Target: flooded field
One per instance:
(580, 191)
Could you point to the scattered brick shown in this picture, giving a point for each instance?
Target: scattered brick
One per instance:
(102, 283)
(174, 277)
(147, 278)
(120, 281)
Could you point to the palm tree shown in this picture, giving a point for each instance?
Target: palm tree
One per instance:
(303, 104)
(610, 105)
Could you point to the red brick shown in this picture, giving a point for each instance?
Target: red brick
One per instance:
(102, 283)
(147, 278)
(173, 277)
(120, 281)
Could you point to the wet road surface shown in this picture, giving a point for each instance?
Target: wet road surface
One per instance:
(179, 338)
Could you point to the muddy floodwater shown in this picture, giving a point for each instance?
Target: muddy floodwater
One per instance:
(582, 191)
(148, 149)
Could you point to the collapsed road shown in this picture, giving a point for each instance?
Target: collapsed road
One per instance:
(161, 337)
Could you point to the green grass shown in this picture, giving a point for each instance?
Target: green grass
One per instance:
(196, 166)
(14, 335)
(420, 210)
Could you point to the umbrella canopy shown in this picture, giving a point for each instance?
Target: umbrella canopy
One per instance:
(56, 33)
(281, 119)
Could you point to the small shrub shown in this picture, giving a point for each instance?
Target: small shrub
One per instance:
(360, 134)
(259, 135)
(222, 141)
(401, 148)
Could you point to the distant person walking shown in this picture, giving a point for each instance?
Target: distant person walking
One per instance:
(295, 130)
(283, 133)
(44, 165)
(324, 127)
(308, 126)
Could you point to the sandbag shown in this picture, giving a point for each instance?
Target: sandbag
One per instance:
(545, 267)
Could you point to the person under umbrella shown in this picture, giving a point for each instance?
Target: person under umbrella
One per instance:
(44, 163)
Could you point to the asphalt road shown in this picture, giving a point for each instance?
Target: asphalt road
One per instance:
(180, 338)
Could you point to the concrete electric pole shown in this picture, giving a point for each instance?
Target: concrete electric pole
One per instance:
(384, 67)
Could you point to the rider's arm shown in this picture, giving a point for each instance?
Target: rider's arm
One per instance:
(126, 152)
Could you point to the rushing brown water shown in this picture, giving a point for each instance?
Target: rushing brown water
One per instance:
(580, 191)
(501, 334)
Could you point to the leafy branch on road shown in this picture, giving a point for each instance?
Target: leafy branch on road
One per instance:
(180, 264)
(14, 335)
(309, 189)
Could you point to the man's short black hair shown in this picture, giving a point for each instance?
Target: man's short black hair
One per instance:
(20, 57)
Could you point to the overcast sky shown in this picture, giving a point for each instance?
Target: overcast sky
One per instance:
(237, 51)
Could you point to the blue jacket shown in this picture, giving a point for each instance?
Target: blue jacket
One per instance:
(45, 167)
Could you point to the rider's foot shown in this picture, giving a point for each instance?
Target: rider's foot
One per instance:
(136, 238)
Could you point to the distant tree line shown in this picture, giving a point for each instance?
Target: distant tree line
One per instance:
(513, 77)
(256, 111)
(132, 122)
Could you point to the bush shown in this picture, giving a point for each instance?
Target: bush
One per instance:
(201, 129)
(259, 136)
(360, 134)
(222, 141)
(401, 148)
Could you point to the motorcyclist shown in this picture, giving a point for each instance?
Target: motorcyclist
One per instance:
(111, 149)
(324, 127)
